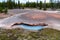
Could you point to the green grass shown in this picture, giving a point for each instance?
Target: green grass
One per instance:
(20, 34)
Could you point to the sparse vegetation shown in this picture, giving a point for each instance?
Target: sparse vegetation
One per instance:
(1, 9)
(5, 10)
(20, 34)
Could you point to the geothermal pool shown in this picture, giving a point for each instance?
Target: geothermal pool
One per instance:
(35, 17)
(29, 27)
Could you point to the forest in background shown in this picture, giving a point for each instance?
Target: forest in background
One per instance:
(11, 4)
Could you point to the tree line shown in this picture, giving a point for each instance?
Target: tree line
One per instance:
(11, 4)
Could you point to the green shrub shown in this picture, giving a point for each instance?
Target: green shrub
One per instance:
(5, 10)
(1, 9)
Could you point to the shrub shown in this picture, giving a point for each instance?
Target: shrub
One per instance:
(1, 9)
(23, 6)
(5, 10)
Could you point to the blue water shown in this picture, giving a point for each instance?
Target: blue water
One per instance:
(31, 27)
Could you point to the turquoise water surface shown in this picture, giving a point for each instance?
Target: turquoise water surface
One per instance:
(30, 27)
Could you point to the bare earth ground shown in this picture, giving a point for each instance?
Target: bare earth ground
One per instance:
(2, 15)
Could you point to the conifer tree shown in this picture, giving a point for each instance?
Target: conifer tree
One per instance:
(40, 5)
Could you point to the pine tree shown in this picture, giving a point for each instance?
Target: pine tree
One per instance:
(55, 6)
(13, 3)
(27, 4)
(40, 5)
(58, 4)
(37, 4)
(44, 5)
(19, 4)
(10, 4)
(51, 4)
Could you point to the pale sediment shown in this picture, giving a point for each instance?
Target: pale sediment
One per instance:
(42, 19)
